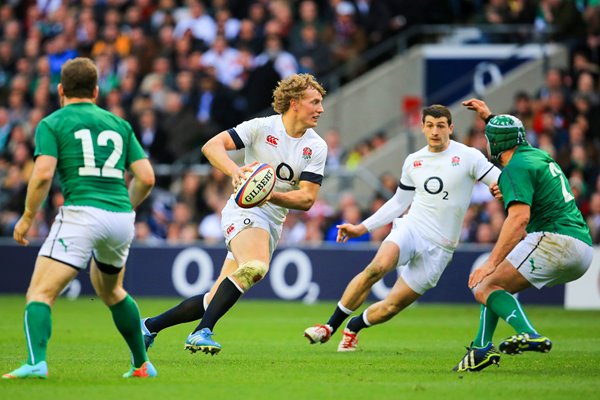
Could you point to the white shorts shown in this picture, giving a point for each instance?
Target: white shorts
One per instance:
(79, 231)
(425, 261)
(235, 219)
(548, 259)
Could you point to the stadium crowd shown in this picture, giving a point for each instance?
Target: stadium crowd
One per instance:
(182, 71)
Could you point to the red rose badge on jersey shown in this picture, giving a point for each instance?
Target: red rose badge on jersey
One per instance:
(307, 153)
(455, 161)
(417, 163)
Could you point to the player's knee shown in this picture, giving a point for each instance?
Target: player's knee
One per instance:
(480, 295)
(250, 273)
(110, 294)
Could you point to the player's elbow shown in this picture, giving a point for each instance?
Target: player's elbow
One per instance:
(521, 221)
(307, 204)
(44, 177)
(208, 147)
(148, 180)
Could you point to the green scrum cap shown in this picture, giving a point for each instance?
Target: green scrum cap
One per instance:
(504, 132)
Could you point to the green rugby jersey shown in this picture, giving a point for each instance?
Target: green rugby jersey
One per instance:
(534, 178)
(93, 148)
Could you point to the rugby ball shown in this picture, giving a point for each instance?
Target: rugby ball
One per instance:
(258, 185)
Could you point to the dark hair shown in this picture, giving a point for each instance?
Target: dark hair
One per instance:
(437, 111)
(79, 78)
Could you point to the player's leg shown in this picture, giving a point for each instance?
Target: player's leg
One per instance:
(481, 353)
(49, 279)
(190, 309)
(114, 233)
(533, 262)
(356, 292)
(399, 297)
(108, 283)
(251, 249)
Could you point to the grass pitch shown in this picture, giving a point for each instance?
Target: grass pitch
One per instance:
(265, 356)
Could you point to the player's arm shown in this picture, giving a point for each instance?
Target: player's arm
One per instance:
(513, 230)
(301, 199)
(215, 151)
(392, 209)
(142, 182)
(37, 191)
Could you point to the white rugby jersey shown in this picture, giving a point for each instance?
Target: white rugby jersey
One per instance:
(443, 183)
(294, 159)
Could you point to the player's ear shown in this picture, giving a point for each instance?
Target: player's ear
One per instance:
(59, 89)
(96, 93)
(451, 128)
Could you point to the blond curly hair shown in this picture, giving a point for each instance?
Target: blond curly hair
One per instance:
(293, 88)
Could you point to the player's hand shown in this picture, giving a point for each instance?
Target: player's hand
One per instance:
(347, 231)
(239, 175)
(495, 191)
(21, 229)
(478, 106)
(480, 273)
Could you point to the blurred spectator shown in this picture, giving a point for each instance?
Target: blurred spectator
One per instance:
(215, 107)
(210, 226)
(313, 55)
(294, 229)
(485, 234)
(308, 15)
(153, 137)
(351, 214)
(185, 135)
(334, 149)
(284, 62)
(349, 38)
(144, 235)
(201, 25)
(593, 219)
(5, 130)
(373, 17)
(223, 59)
(565, 20)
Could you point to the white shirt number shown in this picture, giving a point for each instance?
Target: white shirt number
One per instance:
(89, 161)
(555, 171)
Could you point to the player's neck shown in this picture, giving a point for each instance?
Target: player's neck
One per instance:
(73, 100)
(506, 156)
(293, 127)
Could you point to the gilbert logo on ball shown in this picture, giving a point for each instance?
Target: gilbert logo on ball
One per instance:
(258, 185)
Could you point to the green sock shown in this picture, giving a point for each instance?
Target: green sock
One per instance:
(126, 315)
(487, 325)
(507, 307)
(38, 328)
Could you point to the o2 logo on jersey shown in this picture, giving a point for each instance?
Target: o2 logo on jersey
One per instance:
(434, 185)
(272, 140)
(285, 173)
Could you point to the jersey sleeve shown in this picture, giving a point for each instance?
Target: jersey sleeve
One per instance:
(315, 170)
(483, 170)
(45, 140)
(135, 151)
(406, 182)
(516, 186)
(244, 134)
